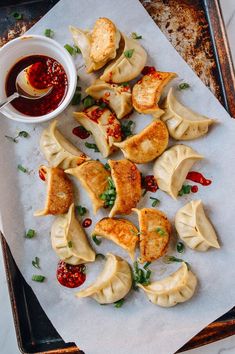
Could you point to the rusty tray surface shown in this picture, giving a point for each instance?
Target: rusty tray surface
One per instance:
(196, 30)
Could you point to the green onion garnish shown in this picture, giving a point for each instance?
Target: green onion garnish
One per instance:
(49, 33)
(76, 98)
(125, 84)
(80, 210)
(160, 231)
(147, 264)
(155, 201)
(109, 194)
(127, 128)
(96, 240)
(30, 233)
(141, 276)
(100, 255)
(22, 134)
(17, 16)
(70, 244)
(119, 303)
(22, 169)
(107, 167)
(88, 101)
(180, 247)
(128, 53)
(103, 105)
(186, 189)
(183, 86)
(35, 262)
(134, 35)
(171, 259)
(38, 278)
(92, 146)
(73, 50)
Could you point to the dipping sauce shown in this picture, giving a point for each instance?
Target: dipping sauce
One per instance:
(45, 72)
(69, 275)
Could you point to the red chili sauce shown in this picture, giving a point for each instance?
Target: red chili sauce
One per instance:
(149, 183)
(198, 178)
(87, 222)
(69, 275)
(45, 72)
(81, 132)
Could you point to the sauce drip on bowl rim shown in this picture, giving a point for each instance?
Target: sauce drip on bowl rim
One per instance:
(43, 72)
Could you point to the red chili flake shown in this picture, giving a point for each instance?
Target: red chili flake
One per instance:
(194, 189)
(87, 222)
(69, 275)
(81, 132)
(95, 114)
(42, 173)
(149, 183)
(115, 131)
(148, 70)
(198, 178)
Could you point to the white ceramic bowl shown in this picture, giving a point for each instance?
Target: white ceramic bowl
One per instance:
(25, 46)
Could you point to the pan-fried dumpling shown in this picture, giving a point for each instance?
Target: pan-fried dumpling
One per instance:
(172, 167)
(59, 191)
(155, 230)
(127, 180)
(147, 92)
(128, 65)
(147, 145)
(177, 287)
(194, 228)
(69, 240)
(58, 151)
(94, 178)
(182, 122)
(103, 125)
(97, 46)
(120, 231)
(118, 97)
(112, 284)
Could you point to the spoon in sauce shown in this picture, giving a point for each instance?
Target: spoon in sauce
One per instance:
(25, 90)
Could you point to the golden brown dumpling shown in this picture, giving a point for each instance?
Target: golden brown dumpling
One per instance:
(155, 230)
(147, 145)
(147, 92)
(120, 231)
(103, 125)
(59, 191)
(94, 178)
(127, 180)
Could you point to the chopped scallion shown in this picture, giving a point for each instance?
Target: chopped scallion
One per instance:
(22, 169)
(88, 101)
(180, 247)
(183, 86)
(96, 240)
(35, 262)
(49, 33)
(155, 201)
(128, 53)
(92, 146)
(17, 16)
(119, 303)
(38, 278)
(134, 35)
(30, 233)
(80, 210)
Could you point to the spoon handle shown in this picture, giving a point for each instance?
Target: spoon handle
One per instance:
(9, 99)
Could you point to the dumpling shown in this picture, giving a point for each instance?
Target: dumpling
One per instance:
(59, 191)
(112, 284)
(97, 46)
(120, 231)
(178, 287)
(155, 230)
(147, 92)
(94, 178)
(118, 97)
(172, 167)
(58, 151)
(127, 180)
(194, 228)
(147, 145)
(103, 125)
(69, 240)
(182, 122)
(128, 65)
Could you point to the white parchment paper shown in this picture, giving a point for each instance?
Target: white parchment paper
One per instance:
(139, 326)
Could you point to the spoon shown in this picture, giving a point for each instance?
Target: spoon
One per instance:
(25, 90)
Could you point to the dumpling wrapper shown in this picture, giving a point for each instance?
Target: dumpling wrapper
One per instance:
(155, 230)
(120, 231)
(125, 68)
(182, 122)
(69, 240)
(105, 39)
(103, 125)
(117, 97)
(172, 167)
(147, 145)
(94, 178)
(147, 92)
(194, 228)
(177, 287)
(112, 284)
(59, 191)
(58, 151)
(127, 180)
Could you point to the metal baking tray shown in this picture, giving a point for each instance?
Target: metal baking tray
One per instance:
(196, 30)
